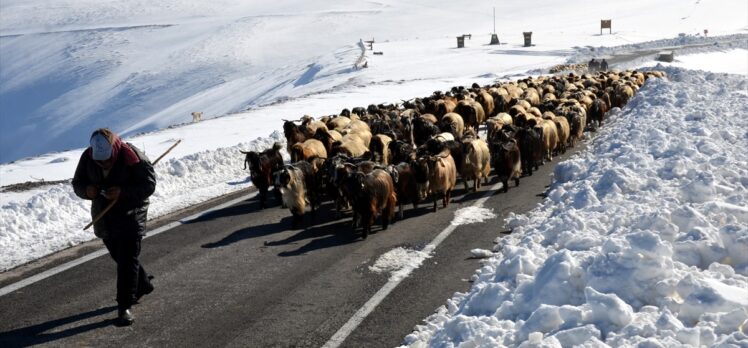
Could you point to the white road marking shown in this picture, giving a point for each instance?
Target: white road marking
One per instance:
(337, 339)
(68, 265)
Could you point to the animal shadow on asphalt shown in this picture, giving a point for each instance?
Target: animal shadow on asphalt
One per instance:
(247, 206)
(424, 208)
(37, 334)
(324, 236)
(471, 195)
(251, 232)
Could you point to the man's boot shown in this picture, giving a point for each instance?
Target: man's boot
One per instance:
(144, 289)
(125, 317)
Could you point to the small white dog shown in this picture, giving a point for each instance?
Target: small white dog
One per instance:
(197, 116)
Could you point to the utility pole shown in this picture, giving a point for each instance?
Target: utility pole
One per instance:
(494, 19)
(494, 37)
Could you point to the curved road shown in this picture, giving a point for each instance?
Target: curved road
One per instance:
(240, 277)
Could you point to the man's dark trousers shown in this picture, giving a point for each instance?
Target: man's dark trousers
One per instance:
(125, 249)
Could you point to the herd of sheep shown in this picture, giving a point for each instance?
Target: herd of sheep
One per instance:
(372, 159)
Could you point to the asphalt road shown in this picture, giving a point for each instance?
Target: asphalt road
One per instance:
(240, 277)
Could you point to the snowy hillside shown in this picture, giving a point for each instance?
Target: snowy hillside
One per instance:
(68, 67)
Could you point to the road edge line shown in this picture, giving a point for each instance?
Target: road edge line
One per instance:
(88, 257)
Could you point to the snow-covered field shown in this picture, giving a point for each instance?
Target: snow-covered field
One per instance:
(643, 237)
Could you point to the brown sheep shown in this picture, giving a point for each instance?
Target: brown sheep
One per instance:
(577, 123)
(298, 187)
(535, 112)
(523, 119)
(310, 148)
(452, 122)
(577, 118)
(597, 111)
(550, 138)
(327, 137)
(338, 123)
(564, 132)
(486, 100)
(410, 113)
(621, 95)
(549, 89)
(507, 162)
(516, 110)
(431, 118)
(443, 106)
(351, 146)
(442, 177)
(472, 113)
(532, 96)
(406, 186)
(360, 129)
(548, 97)
(372, 195)
(379, 147)
(262, 165)
(293, 134)
(500, 99)
(494, 124)
(515, 92)
(311, 127)
(585, 100)
(524, 104)
(477, 163)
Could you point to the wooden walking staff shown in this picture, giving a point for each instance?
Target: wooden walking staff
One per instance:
(101, 214)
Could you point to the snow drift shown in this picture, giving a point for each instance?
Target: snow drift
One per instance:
(642, 238)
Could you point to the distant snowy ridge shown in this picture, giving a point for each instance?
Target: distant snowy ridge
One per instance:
(642, 238)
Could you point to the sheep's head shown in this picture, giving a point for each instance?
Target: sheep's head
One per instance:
(306, 119)
(422, 168)
(323, 135)
(283, 177)
(289, 127)
(253, 159)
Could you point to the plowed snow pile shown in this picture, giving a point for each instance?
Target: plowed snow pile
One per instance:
(643, 239)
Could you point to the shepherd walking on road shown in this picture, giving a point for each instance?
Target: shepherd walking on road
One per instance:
(112, 171)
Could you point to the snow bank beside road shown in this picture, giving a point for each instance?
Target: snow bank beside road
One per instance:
(642, 239)
(53, 219)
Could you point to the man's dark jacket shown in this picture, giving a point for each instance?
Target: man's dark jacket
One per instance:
(137, 182)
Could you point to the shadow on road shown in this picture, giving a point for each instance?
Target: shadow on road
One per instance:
(336, 234)
(36, 334)
(251, 232)
(239, 209)
(322, 228)
(409, 212)
(251, 205)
